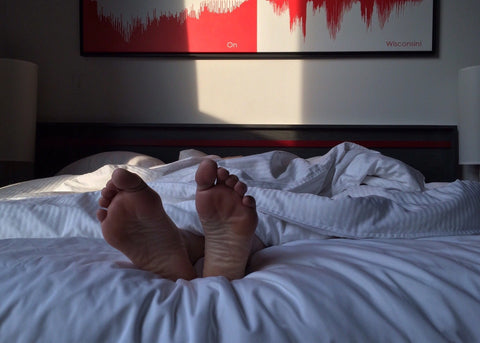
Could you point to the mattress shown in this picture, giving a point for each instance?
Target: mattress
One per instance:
(359, 249)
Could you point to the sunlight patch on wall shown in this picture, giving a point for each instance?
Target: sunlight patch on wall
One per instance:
(250, 91)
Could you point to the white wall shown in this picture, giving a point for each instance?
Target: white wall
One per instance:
(316, 91)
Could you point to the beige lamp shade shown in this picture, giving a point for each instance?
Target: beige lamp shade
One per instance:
(18, 110)
(469, 115)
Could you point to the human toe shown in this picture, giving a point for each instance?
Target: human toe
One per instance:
(101, 215)
(231, 181)
(108, 193)
(127, 181)
(222, 175)
(240, 188)
(249, 201)
(206, 174)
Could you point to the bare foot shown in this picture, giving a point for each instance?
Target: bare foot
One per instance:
(229, 220)
(133, 221)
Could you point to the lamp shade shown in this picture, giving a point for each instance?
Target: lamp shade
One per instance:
(469, 115)
(18, 110)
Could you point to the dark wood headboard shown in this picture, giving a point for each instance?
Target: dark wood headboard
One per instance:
(431, 149)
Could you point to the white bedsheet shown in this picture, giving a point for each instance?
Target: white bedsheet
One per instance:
(296, 198)
(415, 279)
(81, 290)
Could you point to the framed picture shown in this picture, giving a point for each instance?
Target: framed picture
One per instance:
(256, 27)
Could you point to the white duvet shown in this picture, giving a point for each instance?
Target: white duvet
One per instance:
(413, 276)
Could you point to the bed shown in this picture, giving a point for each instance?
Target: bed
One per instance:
(371, 237)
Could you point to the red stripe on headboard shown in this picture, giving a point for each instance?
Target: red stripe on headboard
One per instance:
(247, 143)
(300, 143)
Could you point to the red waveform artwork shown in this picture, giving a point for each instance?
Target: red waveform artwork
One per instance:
(251, 26)
(335, 9)
(203, 30)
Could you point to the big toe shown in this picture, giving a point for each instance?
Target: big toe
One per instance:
(206, 174)
(127, 181)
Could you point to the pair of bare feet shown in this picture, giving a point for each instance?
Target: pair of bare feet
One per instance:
(134, 221)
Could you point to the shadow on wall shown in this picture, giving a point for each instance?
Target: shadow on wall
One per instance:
(137, 87)
(126, 89)
(74, 88)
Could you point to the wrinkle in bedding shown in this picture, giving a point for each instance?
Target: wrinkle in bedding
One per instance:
(296, 198)
(339, 289)
(314, 284)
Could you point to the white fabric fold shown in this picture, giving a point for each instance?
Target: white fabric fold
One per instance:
(350, 192)
(71, 286)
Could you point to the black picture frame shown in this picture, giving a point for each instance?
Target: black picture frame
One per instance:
(99, 30)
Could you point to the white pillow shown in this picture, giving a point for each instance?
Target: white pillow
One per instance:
(94, 162)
